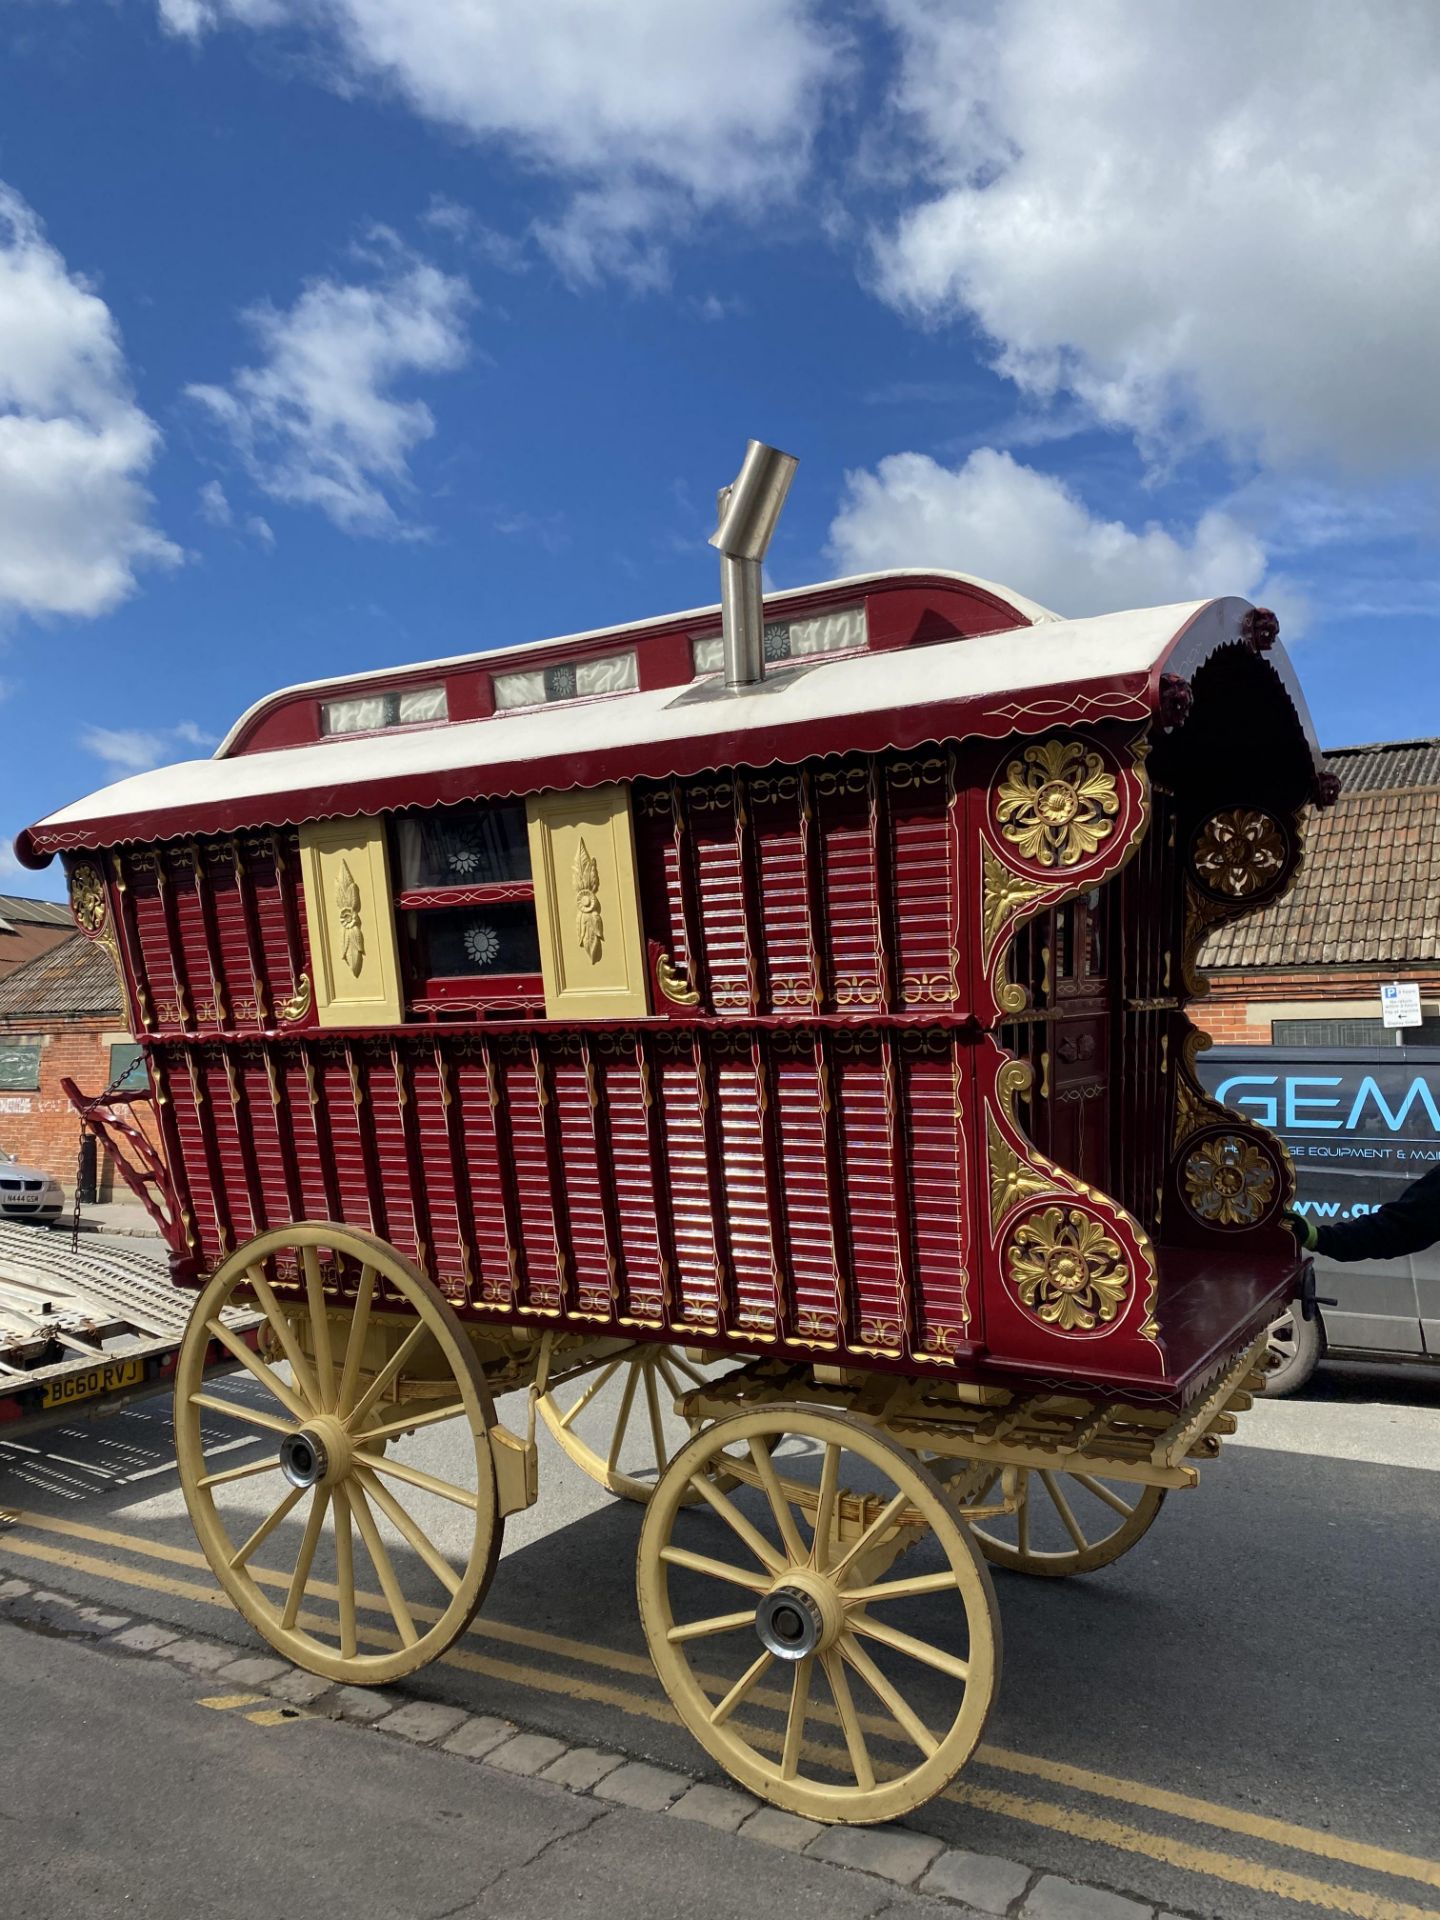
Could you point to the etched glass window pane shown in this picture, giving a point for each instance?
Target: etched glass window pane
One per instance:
(614, 674)
(836, 632)
(708, 655)
(463, 846)
(353, 716)
(421, 703)
(458, 942)
(519, 689)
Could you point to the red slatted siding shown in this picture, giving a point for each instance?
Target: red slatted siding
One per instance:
(387, 1134)
(814, 1258)
(849, 886)
(784, 932)
(747, 1195)
(447, 1256)
(722, 895)
(483, 1155)
(582, 1197)
(870, 1187)
(924, 862)
(636, 1197)
(696, 1253)
(526, 1148)
(936, 1099)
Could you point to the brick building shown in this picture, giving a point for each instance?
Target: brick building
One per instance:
(28, 928)
(1365, 910)
(59, 1018)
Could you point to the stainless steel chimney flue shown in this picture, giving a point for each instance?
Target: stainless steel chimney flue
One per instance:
(748, 510)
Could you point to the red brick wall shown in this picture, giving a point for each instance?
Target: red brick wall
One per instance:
(1223, 1013)
(46, 1132)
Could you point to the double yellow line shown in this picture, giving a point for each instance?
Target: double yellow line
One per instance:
(604, 1670)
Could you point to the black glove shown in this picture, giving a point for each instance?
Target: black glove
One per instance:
(1303, 1229)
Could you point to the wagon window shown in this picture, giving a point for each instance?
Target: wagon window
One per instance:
(467, 904)
(368, 712)
(841, 631)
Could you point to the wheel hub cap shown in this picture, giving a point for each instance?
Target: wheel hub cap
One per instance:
(304, 1458)
(789, 1623)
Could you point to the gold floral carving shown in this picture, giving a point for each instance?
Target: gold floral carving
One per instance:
(1067, 1270)
(1011, 1178)
(1229, 1182)
(1239, 853)
(87, 898)
(1057, 803)
(347, 906)
(674, 983)
(589, 926)
(298, 1004)
(1004, 892)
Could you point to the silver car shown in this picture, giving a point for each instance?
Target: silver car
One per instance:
(28, 1194)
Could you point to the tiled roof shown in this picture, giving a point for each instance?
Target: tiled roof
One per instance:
(1369, 891)
(71, 980)
(46, 913)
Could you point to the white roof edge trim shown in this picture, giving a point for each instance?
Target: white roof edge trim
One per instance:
(1033, 611)
(978, 667)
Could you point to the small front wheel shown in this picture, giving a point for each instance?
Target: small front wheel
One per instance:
(1068, 1523)
(1293, 1349)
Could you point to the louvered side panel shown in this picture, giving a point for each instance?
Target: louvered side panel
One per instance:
(787, 944)
(747, 1196)
(638, 1200)
(246, 1220)
(596, 1262)
(850, 889)
(192, 946)
(870, 1196)
(276, 1161)
(814, 1264)
(721, 890)
(189, 1132)
(267, 878)
(924, 858)
(313, 1160)
(657, 859)
(239, 986)
(387, 1166)
(486, 1173)
(432, 1133)
(698, 1252)
(152, 933)
(936, 1102)
(525, 1146)
(342, 1122)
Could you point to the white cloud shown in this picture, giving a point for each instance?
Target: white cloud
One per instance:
(666, 105)
(259, 528)
(135, 749)
(1027, 530)
(214, 506)
(317, 422)
(74, 446)
(1213, 218)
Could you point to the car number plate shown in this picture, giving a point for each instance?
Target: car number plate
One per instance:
(94, 1380)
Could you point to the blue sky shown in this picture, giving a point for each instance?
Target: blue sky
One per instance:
(335, 333)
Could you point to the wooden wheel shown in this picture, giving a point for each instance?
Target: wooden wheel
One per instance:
(612, 1422)
(345, 1477)
(863, 1693)
(1068, 1523)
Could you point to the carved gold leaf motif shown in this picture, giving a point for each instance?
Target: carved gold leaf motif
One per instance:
(298, 1004)
(1057, 803)
(87, 898)
(1238, 853)
(589, 926)
(1067, 1270)
(1011, 1178)
(347, 905)
(674, 984)
(1004, 891)
(1229, 1182)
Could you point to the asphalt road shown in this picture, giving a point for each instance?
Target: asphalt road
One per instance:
(1239, 1718)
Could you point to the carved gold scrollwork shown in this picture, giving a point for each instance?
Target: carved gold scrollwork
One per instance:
(674, 983)
(1057, 803)
(589, 925)
(1067, 1271)
(87, 898)
(347, 906)
(1228, 1181)
(1011, 1178)
(298, 1004)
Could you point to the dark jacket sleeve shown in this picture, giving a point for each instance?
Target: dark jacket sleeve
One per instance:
(1401, 1226)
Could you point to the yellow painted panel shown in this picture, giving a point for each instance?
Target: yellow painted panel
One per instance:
(351, 918)
(587, 904)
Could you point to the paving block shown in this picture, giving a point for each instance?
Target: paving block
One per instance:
(1052, 1898)
(652, 1789)
(254, 1670)
(365, 1705)
(148, 1637)
(526, 1753)
(103, 1622)
(891, 1853)
(581, 1767)
(981, 1880)
(301, 1689)
(13, 1589)
(423, 1721)
(477, 1735)
(777, 1829)
(200, 1656)
(722, 1807)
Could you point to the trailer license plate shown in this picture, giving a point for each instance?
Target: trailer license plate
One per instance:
(85, 1386)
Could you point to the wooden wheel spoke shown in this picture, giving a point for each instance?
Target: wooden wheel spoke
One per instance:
(622, 1419)
(355, 1342)
(718, 1623)
(270, 1464)
(930, 1656)
(657, 1424)
(319, 1327)
(285, 1334)
(305, 1559)
(717, 1569)
(824, 1518)
(1063, 1508)
(796, 1718)
(894, 1702)
(257, 1369)
(901, 1589)
(391, 1371)
(779, 1505)
(748, 1680)
(236, 1410)
(600, 1380)
(430, 1418)
(345, 1573)
(385, 1571)
(1107, 1494)
(415, 1477)
(266, 1527)
(870, 1537)
(849, 1720)
(738, 1524)
(406, 1525)
(1022, 1517)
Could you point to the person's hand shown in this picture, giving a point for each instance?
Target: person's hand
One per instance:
(1303, 1229)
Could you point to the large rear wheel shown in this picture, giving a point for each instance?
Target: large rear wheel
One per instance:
(340, 1482)
(1068, 1523)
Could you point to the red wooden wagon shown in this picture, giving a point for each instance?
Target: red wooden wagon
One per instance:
(764, 1042)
